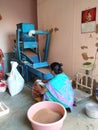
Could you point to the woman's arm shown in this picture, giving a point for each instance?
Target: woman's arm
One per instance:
(40, 87)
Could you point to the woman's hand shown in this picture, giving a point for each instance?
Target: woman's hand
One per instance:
(43, 90)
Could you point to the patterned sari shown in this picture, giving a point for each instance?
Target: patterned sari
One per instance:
(60, 90)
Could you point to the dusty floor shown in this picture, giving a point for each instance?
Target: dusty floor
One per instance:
(19, 104)
(78, 120)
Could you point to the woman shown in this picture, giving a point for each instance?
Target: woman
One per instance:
(59, 88)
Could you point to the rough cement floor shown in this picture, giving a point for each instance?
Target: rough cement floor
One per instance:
(19, 104)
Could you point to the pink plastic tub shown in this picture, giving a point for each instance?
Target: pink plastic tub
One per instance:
(46, 104)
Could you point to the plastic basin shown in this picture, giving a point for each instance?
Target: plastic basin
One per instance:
(49, 126)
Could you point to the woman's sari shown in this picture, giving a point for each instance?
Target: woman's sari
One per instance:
(60, 90)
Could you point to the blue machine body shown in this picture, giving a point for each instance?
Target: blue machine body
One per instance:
(27, 52)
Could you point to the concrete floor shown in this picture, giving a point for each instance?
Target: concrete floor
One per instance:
(19, 104)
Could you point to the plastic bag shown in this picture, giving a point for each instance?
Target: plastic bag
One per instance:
(15, 80)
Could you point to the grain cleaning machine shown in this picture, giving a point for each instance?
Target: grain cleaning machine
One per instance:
(26, 51)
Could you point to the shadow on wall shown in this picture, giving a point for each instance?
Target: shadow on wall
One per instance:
(8, 56)
(7, 59)
(10, 41)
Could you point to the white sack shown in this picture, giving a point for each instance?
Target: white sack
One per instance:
(15, 80)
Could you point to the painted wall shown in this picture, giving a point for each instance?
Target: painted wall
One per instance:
(57, 13)
(87, 39)
(66, 43)
(14, 12)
